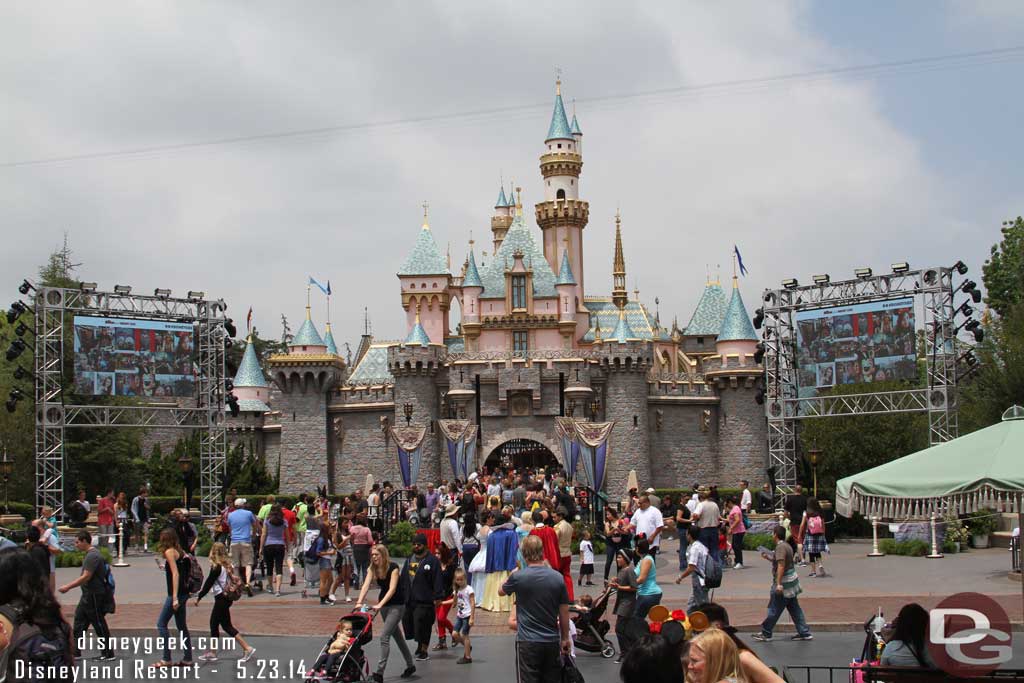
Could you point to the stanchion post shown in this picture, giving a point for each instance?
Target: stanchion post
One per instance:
(935, 546)
(120, 545)
(875, 552)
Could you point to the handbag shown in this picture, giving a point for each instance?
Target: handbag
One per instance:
(570, 674)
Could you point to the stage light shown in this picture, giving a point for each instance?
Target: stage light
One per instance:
(25, 286)
(196, 295)
(960, 267)
(979, 335)
(122, 289)
(162, 293)
(758, 318)
(229, 326)
(12, 400)
(229, 385)
(21, 373)
(759, 397)
(769, 298)
(17, 308)
(233, 405)
(971, 325)
(967, 286)
(16, 348)
(965, 308)
(87, 286)
(821, 279)
(790, 283)
(11, 405)
(863, 273)
(228, 344)
(21, 329)
(759, 352)
(901, 267)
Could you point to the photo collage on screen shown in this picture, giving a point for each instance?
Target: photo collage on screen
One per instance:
(122, 357)
(855, 344)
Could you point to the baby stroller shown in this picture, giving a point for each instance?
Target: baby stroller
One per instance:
(592, 629)
(353, 666)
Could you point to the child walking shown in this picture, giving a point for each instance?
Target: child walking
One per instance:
(465, 610)
(586, 559)
(813, 531)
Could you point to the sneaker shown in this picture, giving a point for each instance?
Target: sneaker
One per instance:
(464, 660)
(421, 657)
(737, 566)
(248, 590)
(802, 563)
(802, 637)
(377, 678)
(331, 597)
(292, 581)
(248, 655)
(208, 657)
(348, 598)
(409, 672)
(761, 638)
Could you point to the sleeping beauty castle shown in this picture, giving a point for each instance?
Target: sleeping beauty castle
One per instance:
(533, 344)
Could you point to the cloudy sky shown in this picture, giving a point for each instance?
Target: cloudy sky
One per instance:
(346, 117)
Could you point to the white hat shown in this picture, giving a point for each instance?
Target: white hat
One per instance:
(649, 491)
(451, 510)
(239, 502)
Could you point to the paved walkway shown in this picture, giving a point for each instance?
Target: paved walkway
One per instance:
(857, 587)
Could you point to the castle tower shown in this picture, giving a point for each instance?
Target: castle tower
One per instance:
(472, 288)
(619, 294)
(306, 376)
(253, 393)
(425, 281)
(563, 215)
(742, 432)
(565, 285)
(329, 344)
(415, 365)
(504, 209)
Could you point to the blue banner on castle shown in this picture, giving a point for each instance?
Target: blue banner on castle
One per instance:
(409, 443)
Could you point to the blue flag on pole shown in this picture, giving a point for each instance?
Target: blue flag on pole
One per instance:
(328, 288)
(739, 260)
(325, 290)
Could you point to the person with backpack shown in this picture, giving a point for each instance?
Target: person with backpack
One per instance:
(32, 630)
(227, 588)
(96, 599)
(696, 565)
(812, 530)
(176, 571)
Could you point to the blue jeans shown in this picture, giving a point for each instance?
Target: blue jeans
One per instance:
(698, 593)
(777, 603)
(709, 537)
(179, 622)
(683, 545)
(644, 603)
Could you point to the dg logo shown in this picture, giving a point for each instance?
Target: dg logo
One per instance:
(969, 635)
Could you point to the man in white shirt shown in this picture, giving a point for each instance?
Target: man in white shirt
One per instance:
(450, 535)
(493, 488)
(647, 520)
(746, 500)
(696, 559)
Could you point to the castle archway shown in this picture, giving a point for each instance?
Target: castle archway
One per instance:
(520, 453)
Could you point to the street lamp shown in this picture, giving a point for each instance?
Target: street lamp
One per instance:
(408, 413)
(6, 468)
(185, 463)
(814, 457)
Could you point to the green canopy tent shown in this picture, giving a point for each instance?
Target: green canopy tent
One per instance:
(984, 469)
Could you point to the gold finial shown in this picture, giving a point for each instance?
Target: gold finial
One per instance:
(707, 273)
(519, 201)
(449, 255)
(426, 216)
(418, 313)
(558, 81)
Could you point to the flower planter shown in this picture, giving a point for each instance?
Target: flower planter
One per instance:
(979, 540)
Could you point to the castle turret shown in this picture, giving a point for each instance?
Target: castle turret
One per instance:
(620, 297)
(426, 280)
(472, 288)
(415, 366)
(504, 210)
(565, 285)
(251, 388)
(329, 341)
(577, 134)
(736, 335)
(563, 215)
(307, 340)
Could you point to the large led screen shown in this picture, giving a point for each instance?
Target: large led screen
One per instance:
(871, 342)
(123, 357)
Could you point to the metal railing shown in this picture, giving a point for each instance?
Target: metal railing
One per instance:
(392, 510)
(1015, 554)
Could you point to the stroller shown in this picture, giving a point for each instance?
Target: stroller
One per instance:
(592, 629)
(353, 666)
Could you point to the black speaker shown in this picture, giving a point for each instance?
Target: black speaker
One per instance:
(771, 478)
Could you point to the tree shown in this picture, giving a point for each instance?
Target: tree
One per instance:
(265, 348)
(1003, 272)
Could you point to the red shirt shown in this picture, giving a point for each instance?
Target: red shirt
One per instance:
(105, 511)
(292, 520)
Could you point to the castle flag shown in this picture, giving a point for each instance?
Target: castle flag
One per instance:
(325, 290)
(739, 260)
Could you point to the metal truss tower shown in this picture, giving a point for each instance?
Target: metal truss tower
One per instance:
(931, 287)
(54, 412)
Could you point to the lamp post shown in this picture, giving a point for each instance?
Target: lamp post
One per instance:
(185, 463)
(408, 413)
(814, 456)
(6, 468)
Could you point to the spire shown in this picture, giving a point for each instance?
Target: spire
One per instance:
(418, 335)
(619, 294)
(329, 341)
(736, 325)
(575, 124)
(472, 278)
(565, 273)
(502, 202)
(623, 332)
(519, 201)
(511, 197)
(249, 372)
(559, 128)
(425, 257)
(307, 334)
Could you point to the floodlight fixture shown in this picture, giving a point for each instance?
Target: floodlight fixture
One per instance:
(195, 296)
(12, 400)
(966, 309)
(87, 286)
(822, 279)
(971, 325)
(979, 335)
(232, 402)
(790, 283)
(960, 267)
(17, 308)
(21, 329)
(900, 268)
(25, 286)
(229, 327)
(758, 318)
(21, 373)
(162, 293)
(16, 348)
(759, 352)
(229, 385)
(122, 289)
(759, 397)
(863, 273)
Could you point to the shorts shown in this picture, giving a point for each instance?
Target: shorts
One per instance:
(241, 553)
(273, 555)
(813, 557)
(586, 569)
(461, 626)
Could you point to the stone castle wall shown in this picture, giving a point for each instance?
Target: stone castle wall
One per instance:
(682, 449)
(743, 435)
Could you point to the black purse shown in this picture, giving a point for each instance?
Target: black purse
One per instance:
(570, 674)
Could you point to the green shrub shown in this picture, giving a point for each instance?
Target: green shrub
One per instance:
(910, 548)
(753, 541)
(981, 523)
(73, 558)
(399, 540)
(950, 547)
(26, 510)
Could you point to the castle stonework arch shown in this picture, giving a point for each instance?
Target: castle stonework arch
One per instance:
(494, 440)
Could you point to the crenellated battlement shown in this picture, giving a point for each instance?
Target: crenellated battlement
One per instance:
(562, 212)
(405, 360)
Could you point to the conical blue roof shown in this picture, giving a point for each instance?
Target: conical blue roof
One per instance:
(559, 128)
(576, 126)
(502, 201)
(418, 335)
(425, 258)
(623, 332)
(736, 325)
(518, 238)
(707, 317)
(307, 334)
(511, 199)
(329, 341)
(472, 278)
(249, 372)
(565, 274)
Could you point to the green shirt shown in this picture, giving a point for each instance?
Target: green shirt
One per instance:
(301, 512)
(264, 511)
